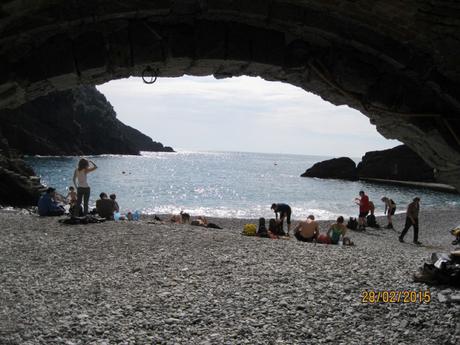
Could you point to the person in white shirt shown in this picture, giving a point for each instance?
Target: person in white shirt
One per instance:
(81, 183)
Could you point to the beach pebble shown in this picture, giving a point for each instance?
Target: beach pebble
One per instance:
(126, 283)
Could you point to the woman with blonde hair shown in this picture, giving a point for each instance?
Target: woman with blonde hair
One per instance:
(81, 183)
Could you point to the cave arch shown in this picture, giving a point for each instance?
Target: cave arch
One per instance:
(395, 61)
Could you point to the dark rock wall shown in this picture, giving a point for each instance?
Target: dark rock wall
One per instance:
(398, 163)
(397, 61)
(18, 184)
(80, 121)
(340, 168)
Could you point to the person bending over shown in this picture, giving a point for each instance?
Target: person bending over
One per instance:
(390, 209)
(284, 211)
(47, 206)
(308, 230)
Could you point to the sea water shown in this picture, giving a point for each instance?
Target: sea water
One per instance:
(226, 184)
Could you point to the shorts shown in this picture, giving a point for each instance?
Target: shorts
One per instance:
(303, 239)
(286, 214)
(363, 214)
(392, 211)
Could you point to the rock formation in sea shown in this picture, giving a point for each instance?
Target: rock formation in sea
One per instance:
(339, 168)
(74, 122)
(398, 163)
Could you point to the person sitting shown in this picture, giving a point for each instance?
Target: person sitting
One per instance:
(308, 230)
(176, 218)
(202, 221)
(47, 206)
(262, 230)
(105, 207)
(337, 231)
(275, 228)
(71, 197)
(115, 203)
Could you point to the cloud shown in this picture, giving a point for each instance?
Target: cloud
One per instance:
(242, 114)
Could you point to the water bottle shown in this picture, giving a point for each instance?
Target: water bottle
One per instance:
(340, 242)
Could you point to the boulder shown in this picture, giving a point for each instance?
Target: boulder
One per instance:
(339, 168)
(18, 184)
(398, 163)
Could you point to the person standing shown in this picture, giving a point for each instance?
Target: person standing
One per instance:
(412, 220)
(390, 209)
(285, 212)
(81, 183)
(363, 202)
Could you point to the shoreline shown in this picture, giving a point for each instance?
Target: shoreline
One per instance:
(439, 187)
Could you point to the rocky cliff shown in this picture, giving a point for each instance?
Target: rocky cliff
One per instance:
(75, 122)
(399, 163)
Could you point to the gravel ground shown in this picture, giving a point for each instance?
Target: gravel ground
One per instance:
(143, 283)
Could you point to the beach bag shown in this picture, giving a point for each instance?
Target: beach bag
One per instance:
(249, 230)
(352, 223)
(323, 238)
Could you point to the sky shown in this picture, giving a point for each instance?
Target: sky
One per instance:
(244, 114)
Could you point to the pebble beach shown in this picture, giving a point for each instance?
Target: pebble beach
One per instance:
(150, 282)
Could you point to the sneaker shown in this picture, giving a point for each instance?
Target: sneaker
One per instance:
(401, 239)
(417, 243)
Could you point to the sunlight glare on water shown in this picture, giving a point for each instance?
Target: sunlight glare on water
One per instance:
(225, 184)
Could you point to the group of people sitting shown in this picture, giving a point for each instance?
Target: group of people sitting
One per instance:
(53, 204)
(307, 231)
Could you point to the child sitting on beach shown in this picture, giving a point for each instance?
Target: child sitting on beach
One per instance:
(115, 203)
(71, 196)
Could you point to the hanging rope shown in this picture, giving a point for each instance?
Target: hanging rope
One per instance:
(149, 75)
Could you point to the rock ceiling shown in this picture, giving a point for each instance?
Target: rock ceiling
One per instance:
(397, 61)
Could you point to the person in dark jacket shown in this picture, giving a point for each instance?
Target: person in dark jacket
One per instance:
(285, 212)
(412, 220)
(47, 206)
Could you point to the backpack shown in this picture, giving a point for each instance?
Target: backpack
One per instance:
(371, 221)
(352, 223)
